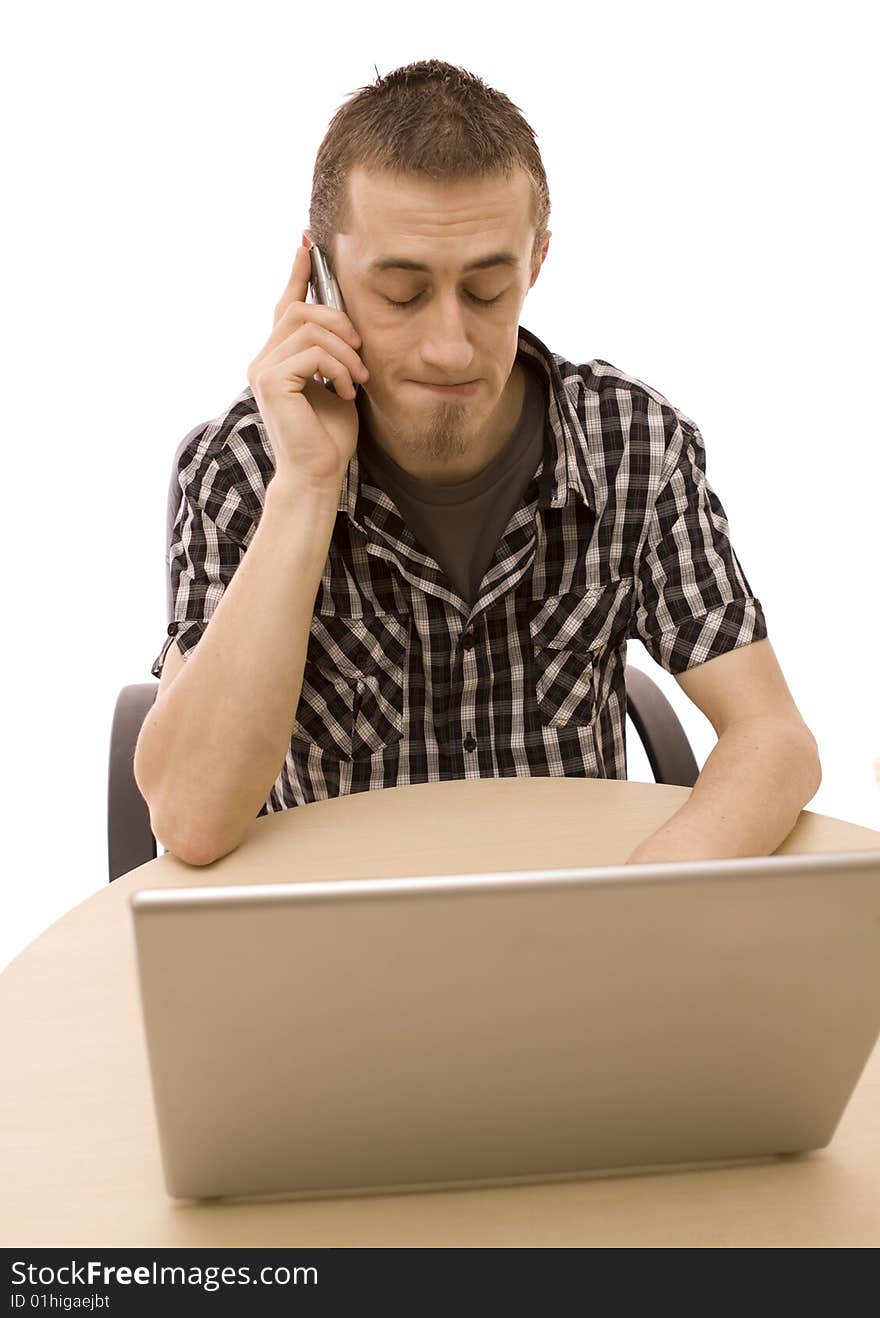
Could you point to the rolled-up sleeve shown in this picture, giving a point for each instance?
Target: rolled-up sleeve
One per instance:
(214, 524)
(693, 601)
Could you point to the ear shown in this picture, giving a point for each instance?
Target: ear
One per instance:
(537, 270)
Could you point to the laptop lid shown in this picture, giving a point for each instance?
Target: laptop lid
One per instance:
(370, 1035)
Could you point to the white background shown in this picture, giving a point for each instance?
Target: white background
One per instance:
(711, 173)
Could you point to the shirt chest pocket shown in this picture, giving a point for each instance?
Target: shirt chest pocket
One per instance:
(576, 641)
(352, 700)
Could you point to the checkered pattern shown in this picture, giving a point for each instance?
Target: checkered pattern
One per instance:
(618, 534)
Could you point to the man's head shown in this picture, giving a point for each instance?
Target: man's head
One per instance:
(432, 168)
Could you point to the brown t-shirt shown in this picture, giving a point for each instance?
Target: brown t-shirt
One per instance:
(460, 525)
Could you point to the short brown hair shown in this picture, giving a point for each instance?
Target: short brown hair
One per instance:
(431, 119)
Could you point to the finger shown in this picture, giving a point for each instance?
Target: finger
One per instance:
(323, 320)
(297, 284)
(295, 343)
(300, 313)
(304, 366)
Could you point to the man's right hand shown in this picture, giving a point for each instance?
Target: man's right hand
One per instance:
(313, 432)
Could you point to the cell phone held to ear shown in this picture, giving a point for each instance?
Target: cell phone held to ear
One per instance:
(324, 289)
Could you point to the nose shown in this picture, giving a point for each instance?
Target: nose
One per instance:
(445, 348)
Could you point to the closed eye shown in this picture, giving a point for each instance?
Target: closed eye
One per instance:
(481, 301)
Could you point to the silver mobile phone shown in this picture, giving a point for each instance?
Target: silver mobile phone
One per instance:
(324, 289)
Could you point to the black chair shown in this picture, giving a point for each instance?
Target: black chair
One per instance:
(129, 836)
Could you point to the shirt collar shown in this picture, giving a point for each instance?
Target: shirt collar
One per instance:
(563, 473)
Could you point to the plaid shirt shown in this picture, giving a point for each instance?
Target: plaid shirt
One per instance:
(618, 534)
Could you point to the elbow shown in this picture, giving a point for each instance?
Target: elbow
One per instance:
(815, 765)
(173, 825)
(818, 774)
(185, 826)
(196, 847)
(195, 856)
(192, 851)
(194, 844)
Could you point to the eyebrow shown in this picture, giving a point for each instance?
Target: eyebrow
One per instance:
(401, 263)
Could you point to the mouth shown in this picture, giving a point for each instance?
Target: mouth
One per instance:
(452, 390)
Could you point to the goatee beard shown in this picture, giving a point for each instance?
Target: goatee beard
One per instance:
(442, 438)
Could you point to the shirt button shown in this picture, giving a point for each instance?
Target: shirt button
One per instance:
(469, 743)
(467, 640)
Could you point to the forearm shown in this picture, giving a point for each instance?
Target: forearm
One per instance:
(747, 799)
(214, 742)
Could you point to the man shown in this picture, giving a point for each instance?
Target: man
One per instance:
(435, 577)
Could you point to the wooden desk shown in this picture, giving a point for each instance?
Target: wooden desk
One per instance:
(80, 1156)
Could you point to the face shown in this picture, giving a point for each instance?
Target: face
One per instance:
(459, 317)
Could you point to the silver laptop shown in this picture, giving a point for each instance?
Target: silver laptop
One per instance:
(312, 1039)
